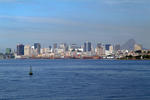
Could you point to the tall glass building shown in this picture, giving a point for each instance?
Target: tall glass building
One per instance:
(20, 49)
(37, 46)
(87, 46)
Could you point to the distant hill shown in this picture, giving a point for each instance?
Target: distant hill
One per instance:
(129, 45)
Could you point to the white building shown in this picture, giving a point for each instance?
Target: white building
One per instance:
(99, 51)
(110, 51)
(46, 51)
(27, 50)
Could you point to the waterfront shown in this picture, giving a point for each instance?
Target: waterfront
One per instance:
(75, 79)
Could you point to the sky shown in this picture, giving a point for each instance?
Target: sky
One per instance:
(74, 21)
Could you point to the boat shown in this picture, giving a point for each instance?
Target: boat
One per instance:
(30, 73)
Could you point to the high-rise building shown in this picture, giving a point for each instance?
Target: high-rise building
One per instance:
(63, 46)
(137, 47)
(99, 49)
(27, 50)
(54, 46)
(8, 50)
(20, 49)
(99, 45)
(107, 47)
(111, 49)
(87, 46)
(37, 46)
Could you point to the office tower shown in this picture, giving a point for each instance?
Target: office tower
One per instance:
(111, 48)
(55, 46)
(8, 51)
(84, 47)
(27, 50)
(37, 46)
(137, 47)
(87, 46)
(20, 49)
(99, 50)
(99, 45)
(63, 46)
(107, 47)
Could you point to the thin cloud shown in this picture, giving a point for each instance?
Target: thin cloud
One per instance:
(125, 1)
(39, 20)
(14, 1)
(8, 0)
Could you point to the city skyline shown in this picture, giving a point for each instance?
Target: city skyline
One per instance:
(82, 44)
(130, 50)
(86, 45)
(73, 21)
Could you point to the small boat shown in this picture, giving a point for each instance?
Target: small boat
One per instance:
(30, 73)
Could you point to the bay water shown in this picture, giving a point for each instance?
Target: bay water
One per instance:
(75, 79)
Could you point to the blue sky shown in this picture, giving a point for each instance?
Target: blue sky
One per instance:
(74, 21)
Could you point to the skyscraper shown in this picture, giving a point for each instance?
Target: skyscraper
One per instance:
(63, 46)
(20, 49)
(107, 46)
(99, 45)
(109, 49)
(27, 50)
(54, 46)
(99, 49)
(37, 46)
(87, 46)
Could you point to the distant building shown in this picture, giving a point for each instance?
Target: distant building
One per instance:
(63, 46)
(111, 49)
(137, 47)
(87, 46)
(108, 49)
(45, 51)
(117, 47)
(27, 50)
(99, 45)
(20, 49)
(99, 50)
(74, 46)
(54, 46)
(50, 47)
(107, 46)
(37, 46)
(8, 50)
(33, 51)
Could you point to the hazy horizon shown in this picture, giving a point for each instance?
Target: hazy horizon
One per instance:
(74, 21)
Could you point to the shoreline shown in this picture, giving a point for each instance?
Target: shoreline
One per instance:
(70, 59)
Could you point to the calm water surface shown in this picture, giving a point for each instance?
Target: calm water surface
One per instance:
(75, 80)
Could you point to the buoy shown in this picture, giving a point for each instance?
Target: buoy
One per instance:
(30, 73)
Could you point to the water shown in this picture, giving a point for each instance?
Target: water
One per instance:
(74, 80)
